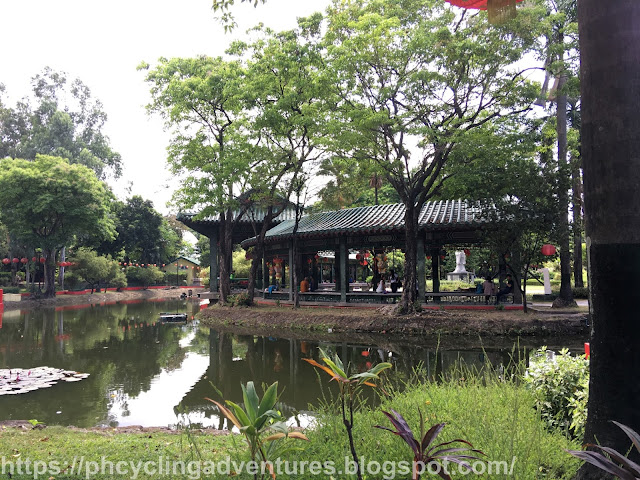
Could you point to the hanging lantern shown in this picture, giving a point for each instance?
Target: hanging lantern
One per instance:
(499, 10)
(467, 252)
(42, 260)
(16, 260)
(441, 257)
(428, 257)
(34, 259)
(309, 261)
(6, 261)
(365, 263)
(548, 250)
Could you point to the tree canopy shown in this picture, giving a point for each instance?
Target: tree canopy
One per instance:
(48, 202)
(62, 119)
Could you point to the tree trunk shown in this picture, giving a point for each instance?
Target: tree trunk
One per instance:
(566, 295)
(49, 273)
(577, 224)
(409, 297)
(610, 82)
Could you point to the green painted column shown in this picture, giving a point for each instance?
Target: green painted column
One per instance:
(422, 280)
(291, 285)
(213, 259)
(344, 261)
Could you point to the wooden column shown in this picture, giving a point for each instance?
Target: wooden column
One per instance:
(291, 285)
(213, 267)
(435, 272)
(344, 261)
(421, 269)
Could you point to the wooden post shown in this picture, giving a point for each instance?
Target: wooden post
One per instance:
(344, 261)
(421, 269)
(213, 268)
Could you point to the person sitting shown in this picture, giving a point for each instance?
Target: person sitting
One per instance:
(304, 285)
(381, 286)
(488, 289)
(506, 290)
(313, 285)
(272, 288)
(394, 281)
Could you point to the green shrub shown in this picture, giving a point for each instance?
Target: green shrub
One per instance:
(11, 289)
(580, 292)
(72, 281)
(240, 300)
(5, 279)
(559, 384)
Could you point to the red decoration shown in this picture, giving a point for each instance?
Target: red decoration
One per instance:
(365, 263)
(309, 261)
(6, 261)
(34, 259)
(548, 250)
(16, 260)
(428, 257)
(358, 257)
(441, 257)
(42, 260)
(467, 252)
(475, 4)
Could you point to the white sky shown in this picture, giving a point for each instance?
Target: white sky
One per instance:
(103, 42)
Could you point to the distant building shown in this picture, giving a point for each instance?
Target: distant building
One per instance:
(184, 265)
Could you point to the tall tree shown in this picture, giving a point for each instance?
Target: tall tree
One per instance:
(610, 83)
(201, 101)
(64, 201)
(287, 105)
(62, 119)
(415, 79)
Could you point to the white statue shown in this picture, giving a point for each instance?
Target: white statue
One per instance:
(461, 259)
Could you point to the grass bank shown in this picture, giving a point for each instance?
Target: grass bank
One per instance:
(267, 320)
(490, 409)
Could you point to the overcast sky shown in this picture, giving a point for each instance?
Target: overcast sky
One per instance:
(103, 42)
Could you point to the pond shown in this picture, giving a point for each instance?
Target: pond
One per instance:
(144, 372)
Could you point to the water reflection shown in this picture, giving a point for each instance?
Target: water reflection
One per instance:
(147, 373)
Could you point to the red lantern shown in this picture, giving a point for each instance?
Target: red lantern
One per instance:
(34, 259)
(6, 261)
(548, 250)
(42, 260)
(499, 10)
(467, 252)
(15, 260)
(309, 261)
(24, 260)
(365, 263)
(428, 257)
(441, 257)
(358, 257)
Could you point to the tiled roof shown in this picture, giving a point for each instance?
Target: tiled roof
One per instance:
(445, 214)
(253, 214)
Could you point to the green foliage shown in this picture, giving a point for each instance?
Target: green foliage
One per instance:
(259, 421)
(559, 384)
(5, 279)
(489, 408)
(11, 289)
(64, 201)
(241, 265)
(350, 387)
(240, 300)
(146, 276)
(60, 119)
(95, 269)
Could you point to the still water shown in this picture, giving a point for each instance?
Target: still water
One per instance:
(143, 372)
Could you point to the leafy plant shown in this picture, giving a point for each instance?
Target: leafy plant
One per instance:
(259, 422)
(560, 385)
(349, 386)
(613, 462)
(424, 450)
